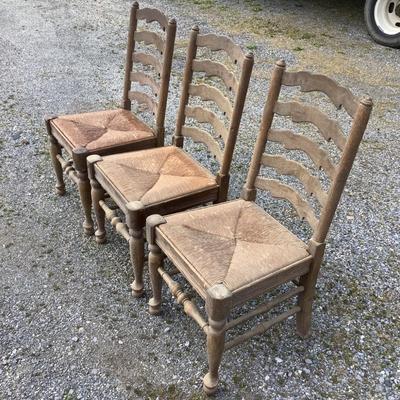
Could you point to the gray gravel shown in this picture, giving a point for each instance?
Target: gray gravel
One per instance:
(69, 328)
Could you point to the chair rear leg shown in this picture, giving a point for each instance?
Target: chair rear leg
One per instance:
(308, 281)
(303, 317)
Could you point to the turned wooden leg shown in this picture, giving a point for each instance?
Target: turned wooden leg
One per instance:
(135, 222)
(308, 281)
(155, 261)
(218, 304)
(136, 249)
(55, 150)
(97, 196)
(79, 156)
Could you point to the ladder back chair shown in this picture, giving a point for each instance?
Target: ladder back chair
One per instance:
(167, 179)
(117, 130)
(235, 251)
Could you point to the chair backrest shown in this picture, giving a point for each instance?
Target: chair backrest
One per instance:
(205, 92)
(329, 128)
(165, 46)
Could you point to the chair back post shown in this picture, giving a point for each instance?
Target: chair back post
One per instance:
(240, 98)
(249, 190)
(349, 153)
(177, 139)
(165, 77)
(126, 102)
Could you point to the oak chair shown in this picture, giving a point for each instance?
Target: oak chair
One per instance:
(167, 179)
(114, 131)
(233, 252)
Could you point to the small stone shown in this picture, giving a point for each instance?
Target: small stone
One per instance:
(187, 344)
(266, 378)
(75, 339)
(278, 360)
(308, 361)
(167, 329)
(94, 340)
(306, 371)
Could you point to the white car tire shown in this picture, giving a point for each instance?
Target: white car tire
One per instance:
(383, 21)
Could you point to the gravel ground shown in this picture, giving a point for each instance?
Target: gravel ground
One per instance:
(69, 328)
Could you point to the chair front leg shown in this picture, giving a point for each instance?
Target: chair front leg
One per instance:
(55, 150)
(135, 222)
(218, 305)
(79, 156)
(97, 195)
(156, 258)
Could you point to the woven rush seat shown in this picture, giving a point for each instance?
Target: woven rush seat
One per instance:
(236, 243)
(155, 175)
(96, 131)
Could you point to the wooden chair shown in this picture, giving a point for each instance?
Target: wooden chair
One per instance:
(234, 251)
(167, 179)
(114, 131)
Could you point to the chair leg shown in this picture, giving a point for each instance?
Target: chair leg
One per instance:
(55, 150)
(303, 317)
(136, 222)
(79, 156)
(218, 304)
(136, 249)
(86, 201)
(97, 196)
(155, 261)
(308, 281)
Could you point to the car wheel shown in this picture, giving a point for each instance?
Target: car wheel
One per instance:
(383, 21)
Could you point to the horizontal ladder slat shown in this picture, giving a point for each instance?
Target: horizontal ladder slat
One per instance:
(299, 112)
(282, 191)
(147, 59)
(309, 82)
(218, 42)
(143, 98)
(204, 115)
(210, 93)
(145, 80)
(293, 141)
(260, 329)
(152, 14)
(265, 307)
(148, 37)
(199, 135)
(213, 68)
(289, 167)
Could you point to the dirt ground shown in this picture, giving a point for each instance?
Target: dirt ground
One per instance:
(69, 328)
